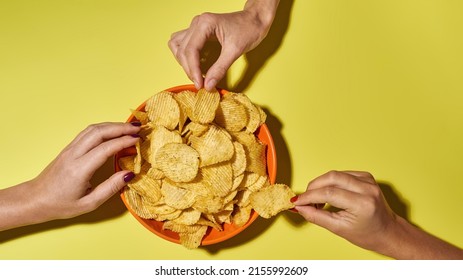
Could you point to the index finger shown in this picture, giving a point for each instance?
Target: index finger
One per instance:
(191, 59)
(333, 195)
(96, 134)
(351, 181)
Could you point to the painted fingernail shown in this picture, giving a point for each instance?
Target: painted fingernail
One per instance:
(294, 199)
(135, 123)
(129, 176)
(135, 135)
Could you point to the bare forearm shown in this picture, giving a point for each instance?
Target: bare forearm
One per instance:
(264, 10)
(406, 241)
(18, 206)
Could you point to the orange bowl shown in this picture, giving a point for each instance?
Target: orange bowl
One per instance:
(212, 236)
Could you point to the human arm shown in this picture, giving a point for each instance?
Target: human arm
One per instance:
(63, 190)
(237, 33)
(366, 220)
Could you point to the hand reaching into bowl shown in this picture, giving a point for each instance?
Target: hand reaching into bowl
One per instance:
(366, 220)
(63, 190)
(237, 33)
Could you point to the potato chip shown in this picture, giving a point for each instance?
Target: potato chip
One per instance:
(192, 240)
(213, 147)
(146, 187)
(253, 182)
(140, 116)
(127, 163)
(220, 177)
(140, 205)
(176, 197)
(155, 173)
(162, 109)
(206, 222)
(254, 115)
(138, 159)
(208, 204)
(190, 235)
(145, 150)
(179, 162)
(196, 129)
(242, 198)
(206, 104)
(188, 217)
(238, 159)
(186, 100)
(241, 215)
(231, 114)
(272, 200)
(161, 136)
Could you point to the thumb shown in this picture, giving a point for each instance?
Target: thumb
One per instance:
(219, 69)
(107, 189)
(316, 216)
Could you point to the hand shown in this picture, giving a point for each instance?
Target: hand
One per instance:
(237, 32)
(63, 190)
(365, 219)
(364, 215)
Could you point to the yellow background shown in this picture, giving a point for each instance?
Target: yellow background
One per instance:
(362, 85)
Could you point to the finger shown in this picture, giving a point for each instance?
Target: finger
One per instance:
(96, 157)
(337, 197)
(319, 217)
(362, 175)
(105, 190)
(192, 56)
(219, 69)
(339, 179)
(175, 42)
(96, 134)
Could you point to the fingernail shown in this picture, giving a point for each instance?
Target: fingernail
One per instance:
(196, 85)
(294, 199)
(135, 123)
(135, 135)
(211, 84)
(129, 176)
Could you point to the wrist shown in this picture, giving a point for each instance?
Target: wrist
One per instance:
(262, 11)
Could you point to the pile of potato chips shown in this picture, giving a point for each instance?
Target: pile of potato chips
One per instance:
(200, 165)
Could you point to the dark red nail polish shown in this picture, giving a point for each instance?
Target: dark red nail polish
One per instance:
(135, 135)
(135, 123)
(129, 176)
(294, 199)
(294, 210)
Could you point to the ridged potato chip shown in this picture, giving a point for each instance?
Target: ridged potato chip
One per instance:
(176, 197)
(163, 110)
(271, 200)
(231, 114)
(206, 104)
(214, 146)
(254, 115)
(241, 215)
(161, 136)
(179, 162)
(219, 177)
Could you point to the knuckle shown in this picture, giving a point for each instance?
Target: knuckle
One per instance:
(330, 191)
(205, 18)
(332, 175)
